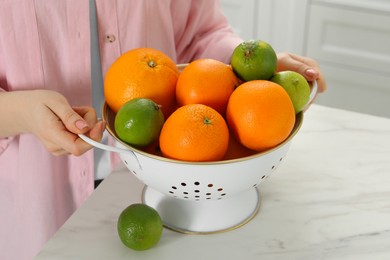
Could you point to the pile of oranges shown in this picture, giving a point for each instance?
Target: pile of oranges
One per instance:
(210, 113)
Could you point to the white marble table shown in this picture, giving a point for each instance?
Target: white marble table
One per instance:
(329, 199)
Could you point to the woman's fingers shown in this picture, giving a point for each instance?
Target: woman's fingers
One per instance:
(96, 134)
(74, 119)
(60, 134)
(64, 142)
(307, 67)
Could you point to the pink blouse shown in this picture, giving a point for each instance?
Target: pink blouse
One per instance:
(46, 45)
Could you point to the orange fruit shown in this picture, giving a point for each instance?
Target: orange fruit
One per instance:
(254, 59)
(153, 148)
(194, 132)
(236, 150)
(142, 73)
(206, 81)
(260, 114)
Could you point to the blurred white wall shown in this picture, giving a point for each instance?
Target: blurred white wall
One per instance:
(349, 38)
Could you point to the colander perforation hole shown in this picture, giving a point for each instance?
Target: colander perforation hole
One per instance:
(195, 191)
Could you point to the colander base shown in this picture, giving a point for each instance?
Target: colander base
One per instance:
(207, 216)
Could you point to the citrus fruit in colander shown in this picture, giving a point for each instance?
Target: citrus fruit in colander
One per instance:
(142, 73)
(208, 82)
(254, 59)
(260, 114)
(196, 133)
(139, 121)
(296, 86)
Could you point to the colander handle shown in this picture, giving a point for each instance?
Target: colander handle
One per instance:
(313, 94)
(109, 148)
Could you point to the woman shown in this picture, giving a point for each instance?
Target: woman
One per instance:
(46, 171)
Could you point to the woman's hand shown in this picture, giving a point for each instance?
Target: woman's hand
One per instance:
(307, 67)
(48, 115)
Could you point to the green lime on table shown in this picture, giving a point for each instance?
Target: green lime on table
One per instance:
(296, 86)
(253, 60)
(139, 227)
(139, 122)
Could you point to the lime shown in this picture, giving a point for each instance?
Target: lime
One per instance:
(296, 86)
(139, 122)
(139, 227)
(254, 59)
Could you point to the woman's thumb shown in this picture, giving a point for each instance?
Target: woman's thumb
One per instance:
(74, 122)
(310, 74)
(81, 124)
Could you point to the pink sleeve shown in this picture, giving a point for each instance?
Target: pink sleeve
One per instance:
(3, 141)
(202, 31)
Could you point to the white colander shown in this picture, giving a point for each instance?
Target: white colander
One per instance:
(204, 197)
